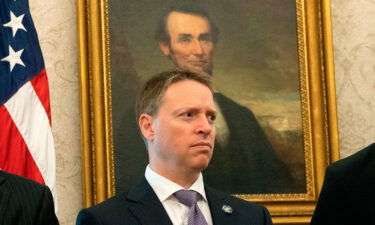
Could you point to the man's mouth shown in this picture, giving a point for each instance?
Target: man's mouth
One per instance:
(202, 144)
(198, 63)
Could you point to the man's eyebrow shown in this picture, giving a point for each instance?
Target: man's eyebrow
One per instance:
(185, 36)
(183, 109)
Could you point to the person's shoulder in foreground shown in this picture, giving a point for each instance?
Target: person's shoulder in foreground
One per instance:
(23, 201)
(348, 195)
(142, 207)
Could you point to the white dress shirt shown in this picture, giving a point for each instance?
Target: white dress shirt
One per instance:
(177, 212)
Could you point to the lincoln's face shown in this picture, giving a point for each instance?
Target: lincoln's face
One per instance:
(191, 45)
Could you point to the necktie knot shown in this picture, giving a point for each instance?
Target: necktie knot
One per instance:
(186, 197)
(189, 198)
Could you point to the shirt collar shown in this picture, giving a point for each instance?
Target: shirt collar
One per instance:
(164, 187)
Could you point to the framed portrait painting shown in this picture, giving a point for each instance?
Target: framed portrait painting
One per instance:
(272, 67)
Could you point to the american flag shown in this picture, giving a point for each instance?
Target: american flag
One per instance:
(26, 142)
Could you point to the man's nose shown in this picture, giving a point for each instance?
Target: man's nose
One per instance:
(197, 48)
(204, 126)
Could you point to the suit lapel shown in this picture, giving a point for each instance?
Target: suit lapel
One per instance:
(216, 200)
(4, 197)
(147, 208)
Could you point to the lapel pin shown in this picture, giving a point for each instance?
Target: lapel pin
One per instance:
(227, 209)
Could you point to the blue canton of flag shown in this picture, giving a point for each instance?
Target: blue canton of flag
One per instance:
(20, 55)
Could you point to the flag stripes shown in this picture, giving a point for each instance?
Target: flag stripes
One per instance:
(40, 84)
(13, 149)
(29, 115)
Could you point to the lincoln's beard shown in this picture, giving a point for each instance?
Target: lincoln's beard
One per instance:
(187, 64)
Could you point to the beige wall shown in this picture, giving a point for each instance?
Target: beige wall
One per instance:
(55, 22)
(354, 45)
(354, 49)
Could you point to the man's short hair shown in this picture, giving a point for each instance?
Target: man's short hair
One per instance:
(152, 92)
(162, 34)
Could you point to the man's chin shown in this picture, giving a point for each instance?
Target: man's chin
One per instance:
(201, 165)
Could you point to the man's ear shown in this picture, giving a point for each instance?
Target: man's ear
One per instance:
(164, 47)
(145, 123)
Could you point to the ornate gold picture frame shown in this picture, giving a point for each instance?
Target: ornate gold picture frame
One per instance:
(316, 94)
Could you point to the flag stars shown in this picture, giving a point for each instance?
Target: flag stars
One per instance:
(13, 58)
(15, 23)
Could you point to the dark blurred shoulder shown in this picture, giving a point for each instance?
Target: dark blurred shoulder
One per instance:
(355, 163)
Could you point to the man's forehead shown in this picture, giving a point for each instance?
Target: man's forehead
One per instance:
(186, 22)
(185, 84)
(175, 101)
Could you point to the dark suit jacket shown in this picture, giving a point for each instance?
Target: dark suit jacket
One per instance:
(25, 202)
(348, 193)
(248, 164)
(142, 207)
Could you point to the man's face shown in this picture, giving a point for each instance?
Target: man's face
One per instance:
(183, 130)
(191, 45)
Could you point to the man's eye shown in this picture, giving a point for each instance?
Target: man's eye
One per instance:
(205, 38)
(184, 40)
(212, 118)
(187, 114)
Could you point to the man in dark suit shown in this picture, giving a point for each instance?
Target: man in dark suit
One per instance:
(187, 36)
(176, 114)
(26, 202)
(348, 192)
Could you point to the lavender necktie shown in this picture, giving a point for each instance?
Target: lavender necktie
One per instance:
(189, 198)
